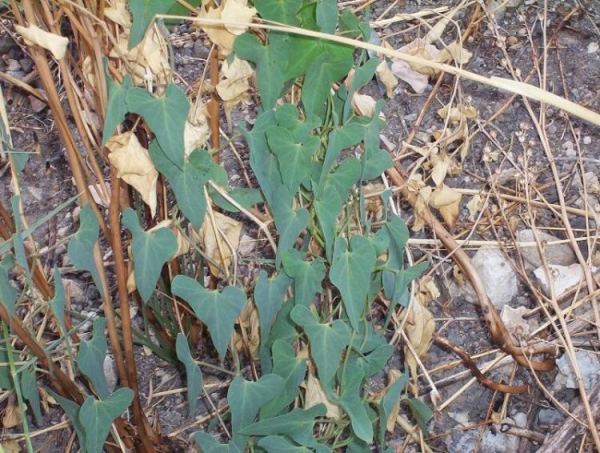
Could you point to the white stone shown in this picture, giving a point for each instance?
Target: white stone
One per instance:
(497, 276)
(589, 365)
(593, 47)
(563, 278)
(554, 253)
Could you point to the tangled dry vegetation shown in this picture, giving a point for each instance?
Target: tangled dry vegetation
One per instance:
(206, 210)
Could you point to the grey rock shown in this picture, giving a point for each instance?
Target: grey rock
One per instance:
(550, 417)
(26, 64)
(497, 275)
(200, 50)
(6, 43)
(109, 373)
(461, 441)
(499, 442)
(589, 365)
(560, 254)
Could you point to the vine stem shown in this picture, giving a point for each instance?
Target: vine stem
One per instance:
(148, 436)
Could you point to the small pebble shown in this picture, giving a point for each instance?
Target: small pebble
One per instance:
(587, 140)
(593, 47)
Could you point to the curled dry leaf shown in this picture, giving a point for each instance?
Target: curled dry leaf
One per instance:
(474, 205)
(447, 201)
(56, 44)
(237, 11)
(374, 202)
(12, 416)
(249, 340)
(231, 11)
(420, 324)
(197, 130)
(119, 13)
(441, 163)
(363, 104)
(387, 77)
(458, 113)
(314, 395)
(11, 446)
(133, 164)
(148, 60)
(417, 75)
(227, 239)
(234, 84)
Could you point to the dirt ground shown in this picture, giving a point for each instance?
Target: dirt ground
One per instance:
(505, 155)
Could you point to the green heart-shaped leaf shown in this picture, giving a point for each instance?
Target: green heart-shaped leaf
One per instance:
(193, 374)
(351, 273)
(218, 310)
(91, 358)
(96, 417)
(116, 106)
(143, 12)
(292, 369)
(166, 115)
(269, 295)
(151, 250)
(81, 246)
(326, 342)
(245, 400)
(307, 276)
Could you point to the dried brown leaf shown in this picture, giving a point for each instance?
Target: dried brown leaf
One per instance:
(55, 44)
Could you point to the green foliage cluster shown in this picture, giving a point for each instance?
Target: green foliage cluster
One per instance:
(311, 161)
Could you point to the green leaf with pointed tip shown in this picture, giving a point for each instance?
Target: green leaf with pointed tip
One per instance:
(245, 400)
(151, 250)
(116, 108)
(57, 304)
(327, 15)
(297, 424)
(166, 115)
(81, 246)
(72, 410)
(397, 233)
(330, 66)
(218, 310)
(17, 238)
(330, 201)
(375, 360)
(187, 183)
(292, 369)
(421, 412)
(386, 405)
(8, 293)
(6, 382)
(283, 329)
(91, 358)
(96, 417)
(290, 224)
(209, 445)
(30, 392)
(269, 295)
(244, 196)
(351, 401)
(327, 342)
(339, 139)
(283, 11)
(294, 158)
(143, 12)
(374, 159)
(278, 444)
(192, 372)
(307, 276)
(269, 60)
(351, 273)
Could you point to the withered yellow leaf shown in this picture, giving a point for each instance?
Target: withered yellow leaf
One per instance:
(447, 201)
(237, 11)
(390, 423)
(457, 113)
(119, 13)
(133, 164)
(222, 244)
(474, 205)
(12, 416)
(316, 395)
(218, 34)
(56, 44)
(419, 330)
(363, 104)
(387, 77)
